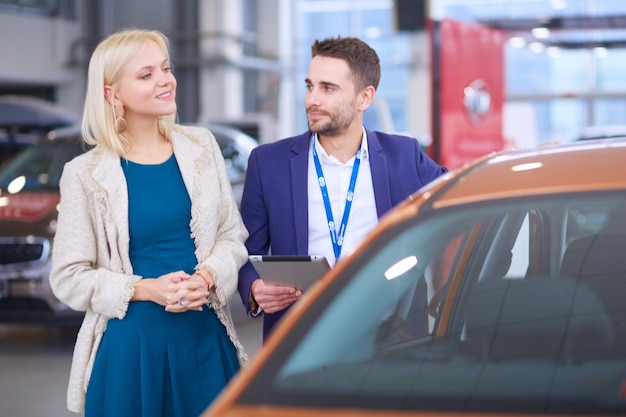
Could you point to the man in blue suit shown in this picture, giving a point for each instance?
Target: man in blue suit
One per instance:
(337, 173)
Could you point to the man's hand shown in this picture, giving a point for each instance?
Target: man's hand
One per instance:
(273, 298)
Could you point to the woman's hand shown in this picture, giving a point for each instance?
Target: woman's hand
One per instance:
(190, 294)
(176, 291)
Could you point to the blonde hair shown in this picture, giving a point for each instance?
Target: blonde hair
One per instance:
(105, 68)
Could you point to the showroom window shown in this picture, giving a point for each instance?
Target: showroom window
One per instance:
(560, 90)
(62, 8)
(564, 80)
(373, 22)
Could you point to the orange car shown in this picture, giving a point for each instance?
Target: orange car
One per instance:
(500, 289)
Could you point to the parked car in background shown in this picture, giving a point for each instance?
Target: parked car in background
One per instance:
(12, 142)
(236, 147)
(496, 290)
(29, 197)
(25, 120)
(603, 132)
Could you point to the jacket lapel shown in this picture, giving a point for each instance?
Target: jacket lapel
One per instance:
(299, 180)
(187, 154)
(380, 174)
(110, 177)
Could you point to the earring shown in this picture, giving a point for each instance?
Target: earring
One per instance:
(120, 122)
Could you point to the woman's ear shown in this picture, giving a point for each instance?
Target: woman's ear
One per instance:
(108, 94)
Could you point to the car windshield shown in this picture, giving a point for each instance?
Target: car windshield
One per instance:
(505, 306)
(37, 168)
(236, 148)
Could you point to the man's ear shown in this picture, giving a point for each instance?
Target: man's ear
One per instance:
(366, 97)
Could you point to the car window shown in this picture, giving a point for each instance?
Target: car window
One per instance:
(37, 168)
(11, 142)
(236, 147)
(520, 253)
(236, 163)
(514, 306)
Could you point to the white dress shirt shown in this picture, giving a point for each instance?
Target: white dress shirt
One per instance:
(363, 216)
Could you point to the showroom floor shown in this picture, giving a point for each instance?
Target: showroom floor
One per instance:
(35, 365)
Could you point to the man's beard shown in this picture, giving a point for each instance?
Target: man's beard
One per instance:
(334, 127)
(326, 129)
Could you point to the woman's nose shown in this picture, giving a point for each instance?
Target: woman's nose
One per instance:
(166, 78)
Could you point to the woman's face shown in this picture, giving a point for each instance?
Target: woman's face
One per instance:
(147, 87)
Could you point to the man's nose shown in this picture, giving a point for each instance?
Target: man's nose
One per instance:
(312, 97)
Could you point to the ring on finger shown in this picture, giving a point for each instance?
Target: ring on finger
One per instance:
(181, 301)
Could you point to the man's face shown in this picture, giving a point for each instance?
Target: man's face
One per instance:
(331, 99)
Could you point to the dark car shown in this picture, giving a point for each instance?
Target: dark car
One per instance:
(13, 142)
(236, 147)
(29, 197)
(498, 290)
(25, 120)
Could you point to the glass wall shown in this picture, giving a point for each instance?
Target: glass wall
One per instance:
(568, 86)
(373, 22)
(63, 8)
(567, 89)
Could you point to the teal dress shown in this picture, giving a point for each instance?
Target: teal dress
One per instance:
(153, 363)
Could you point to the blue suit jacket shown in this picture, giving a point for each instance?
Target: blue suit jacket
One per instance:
(274, 202)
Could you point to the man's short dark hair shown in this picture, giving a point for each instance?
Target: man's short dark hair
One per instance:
(361, 58)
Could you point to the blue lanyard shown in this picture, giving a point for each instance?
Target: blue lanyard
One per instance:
(336, 238)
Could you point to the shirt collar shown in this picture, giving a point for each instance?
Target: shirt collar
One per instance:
(327, 158)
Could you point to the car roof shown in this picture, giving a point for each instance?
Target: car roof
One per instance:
(603, 131)
(580, 166)
(224, 129)
(221, 132)
(69, 133)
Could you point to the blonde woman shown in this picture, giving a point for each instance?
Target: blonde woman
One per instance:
(149, 242)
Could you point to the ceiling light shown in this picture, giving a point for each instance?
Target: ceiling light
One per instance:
(558, 4)
(553, 51)
(373, 32)
(600, 51)
(536, 47)
(540, 32)
(517, 42)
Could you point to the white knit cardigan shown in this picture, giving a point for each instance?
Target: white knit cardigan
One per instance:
(91, 269)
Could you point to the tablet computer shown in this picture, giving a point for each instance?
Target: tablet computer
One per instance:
(296, 271)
